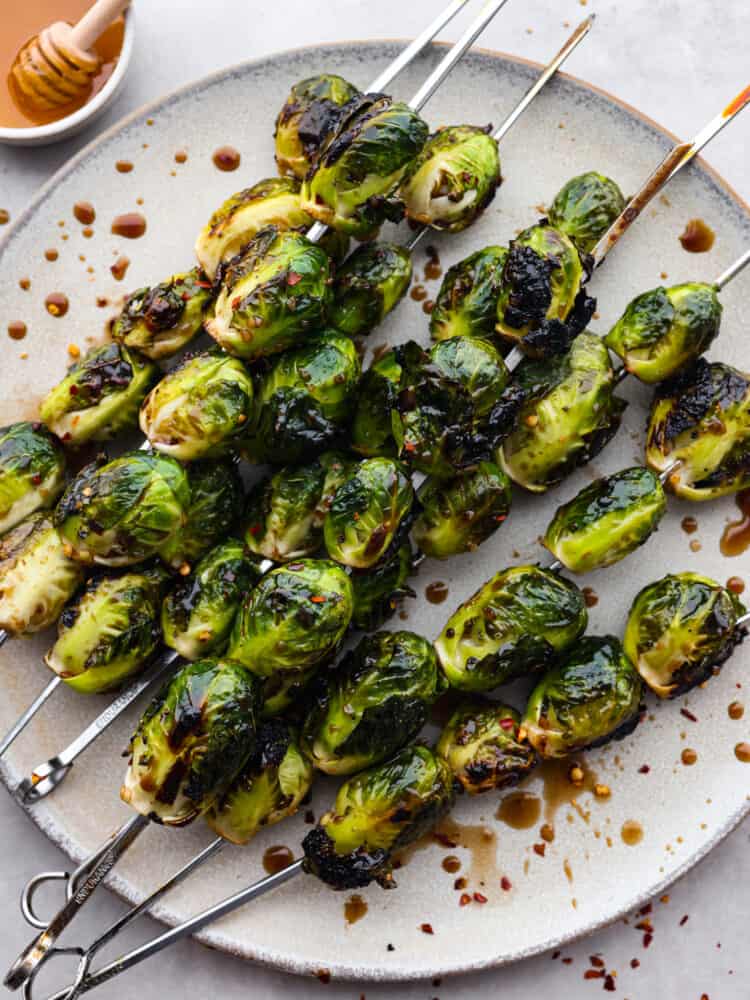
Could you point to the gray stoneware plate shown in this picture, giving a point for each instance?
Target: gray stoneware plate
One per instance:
(588, 876)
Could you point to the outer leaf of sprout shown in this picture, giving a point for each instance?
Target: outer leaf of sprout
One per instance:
(308, 116)
(158, 322)
(32, 472)
(369, 285)
(466, 305)
(586, 207)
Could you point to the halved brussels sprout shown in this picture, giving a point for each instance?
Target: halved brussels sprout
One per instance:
(377, 400)
(160, 321)
(193, 740)
(699, 428)
(284, 690)
(453, 179)
(542, 303)
(459, 514)
(377, 813)
(366, 512)
(308, 117)
(466, 305)
(294, 619)
(100, 396)
(352, 184)
(373, 703)
(32, 472)
(680, 631)
(569, 413)
(273, 293)
(378, 590)
(481, 745)
(586, 207)
(36, 576)
(200, 409)
(510, 628)
(272, 786)
(109, 632)
(124, 511)
(198, 613)
(663, 330)
(592, 696)
(304, 402)
(370, 283)
(607, 520)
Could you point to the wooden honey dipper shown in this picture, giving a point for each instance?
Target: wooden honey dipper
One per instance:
(58, 65)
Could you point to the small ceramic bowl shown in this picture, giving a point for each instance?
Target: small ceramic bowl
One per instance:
(42, 135)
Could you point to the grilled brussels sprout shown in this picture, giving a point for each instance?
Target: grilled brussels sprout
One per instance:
(100, 395)
(308, 116)
(198, 613)
(286, 690)
(200, 409)
(586, 207)
(510, 628)
(377, 399)
(542, 303)
(160, 321)
(366, 512)
(700, 423)
(351, 186)
(373, 703)
(460, 514)
(272, 786)
(193, 740)
(378, 590)
(680, 631)
(124, 511)
(481, 745)
(109, 632)
(466, 305)
(607, 520)
(305, 401)
(569, 413)
(377, 813)
(294, 619)
(661, 331)
(453, 179)
(368, 286)
(32, 472)
(272, 294)
(592, 696)
(36, 576)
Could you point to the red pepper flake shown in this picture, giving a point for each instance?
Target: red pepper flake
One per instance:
(688, 715)
(645, 910)
(644, 769)
(318, 599)
(426, 929)
(594, 974)
(500, 518)
(540, 849)
(644, 925)
(647, 939)
(609, 983)
(634, 963)
(254, 529)
(73, 390)
(684, 920)
(204, 284)
(293, 278)
(567, 961)
(236, 302)
(479, 898)
(597, 961)
(507, 724)
(506, 885)
(465, 899)
(410, 446)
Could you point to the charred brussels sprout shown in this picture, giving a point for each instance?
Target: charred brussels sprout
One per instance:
(192, 742)
(453, 179)
(569, 413)
(368, 286)
(351, 187)
(125, 511)
(460, 514)
(294, 619)
(663, 330)
(308, 116)
(304, 402)
(109, 632)
(700, 423)
(378, 590)
(373, 703)
(377, 813)
(377, 399)
(592, 696)
(510, 628)
(466, 305)
(680, 631)
(586, 207)
(273, 294)
(482, 747)
(200, 409)
(366, 512)
(36, 576)
(160, 321)
(607, 520)
(197, 615)
(100, 395)
(32, 472)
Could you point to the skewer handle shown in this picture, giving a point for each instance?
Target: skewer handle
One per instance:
(713, 128)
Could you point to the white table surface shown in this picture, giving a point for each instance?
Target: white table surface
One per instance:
(678, 61)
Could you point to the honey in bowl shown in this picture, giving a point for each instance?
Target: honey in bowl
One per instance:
(19, 22)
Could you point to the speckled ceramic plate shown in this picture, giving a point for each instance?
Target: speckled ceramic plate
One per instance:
(588, 875)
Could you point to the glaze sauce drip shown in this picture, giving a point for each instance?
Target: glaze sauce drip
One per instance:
(742, 752)
(276, 859)
(697, 237)
(354, 909)
(564, 783)
(56, 304)
(736, 585)
(120, 268)
(84, 212)
(590, 597)
(4, 216)
(689, 525)
(520, 810)
(736, 710)
(736, 537)
(419, 293)
(479, 841)
(631, 832)
(123, 166)
(131, 225)
(17, 330)
(226, 158)
(436, 592)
